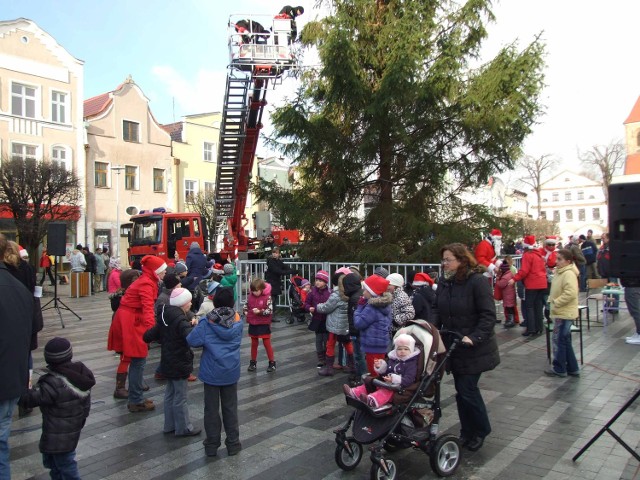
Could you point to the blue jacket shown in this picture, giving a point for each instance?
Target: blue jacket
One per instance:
(374, 324)
(196, 263)
(220, 337)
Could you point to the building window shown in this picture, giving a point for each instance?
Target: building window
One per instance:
(158, 180)
(59, 157)
(567, 196)
(23, 100)
(568, 215)
(543, 215)
(190, 190)
(638, 140)
(555, 197)
(580, 194)
(581, 215)
(596, 214)
(101, 174)
(209, 154)
(209, 188)
(130, 178)
(58, 107)
(130, 131)
(556, 215)
(20, 151)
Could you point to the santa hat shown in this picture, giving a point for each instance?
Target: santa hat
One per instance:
(495, 233)
(396, 280)
(23, 252)
(551, 239)
(421, 279)
(153, 263)
(322, 275)
(529, 241)
(405, 340)
(376, 285)
(180, 297)
(218, 268)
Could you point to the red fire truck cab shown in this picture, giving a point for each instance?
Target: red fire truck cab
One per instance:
(161, 233)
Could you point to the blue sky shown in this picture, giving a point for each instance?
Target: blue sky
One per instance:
(176, 52)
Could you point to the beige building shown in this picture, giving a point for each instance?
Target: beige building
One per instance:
(129, 163)
(575, 202)
(41, 88)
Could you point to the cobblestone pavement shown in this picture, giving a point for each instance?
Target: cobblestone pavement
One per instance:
(287, 418)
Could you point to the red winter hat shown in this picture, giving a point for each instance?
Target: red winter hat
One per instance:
(496, 233)
(153, 264)
(376, 285)
(529, 241)
(551, 239)
(421, 279)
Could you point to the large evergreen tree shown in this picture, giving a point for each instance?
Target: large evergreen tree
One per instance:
(398, 118)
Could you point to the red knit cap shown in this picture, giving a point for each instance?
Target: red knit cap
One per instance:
(153, 264)
(376, 285)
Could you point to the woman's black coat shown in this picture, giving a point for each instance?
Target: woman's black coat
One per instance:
(468, 308)
(273, 275)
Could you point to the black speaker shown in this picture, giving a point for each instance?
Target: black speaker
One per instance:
(57, 239)
(624, 229)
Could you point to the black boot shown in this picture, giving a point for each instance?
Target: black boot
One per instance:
(509, 321)
(272, 367)
(253, 365)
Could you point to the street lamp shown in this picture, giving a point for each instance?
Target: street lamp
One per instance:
(118, 169)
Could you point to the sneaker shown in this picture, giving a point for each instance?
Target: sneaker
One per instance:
(192, 378)
(252, 366)
(633, 340)
(272, 367)
(552, 373)
(635, 336)
(574, 374)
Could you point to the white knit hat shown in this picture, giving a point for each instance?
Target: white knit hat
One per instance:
(405, 340)
(396, 280)
(180, 297)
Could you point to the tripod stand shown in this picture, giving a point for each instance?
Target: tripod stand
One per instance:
(55, 300)
(607, 428)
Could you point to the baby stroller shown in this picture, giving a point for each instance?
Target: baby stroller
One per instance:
(413, 424)
(296, 305)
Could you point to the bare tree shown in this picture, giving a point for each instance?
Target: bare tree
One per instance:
(535, 168)
(36, 193)
(204, 203)
(604, 161)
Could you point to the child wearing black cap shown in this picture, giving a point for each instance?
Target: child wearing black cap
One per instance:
(63, 394)
(220, 335)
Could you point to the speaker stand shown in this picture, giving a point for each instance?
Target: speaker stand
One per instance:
(607, 429)
(57, 303)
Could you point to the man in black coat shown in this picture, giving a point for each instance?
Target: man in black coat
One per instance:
(273, 275)
(16, 314)
(91, 264)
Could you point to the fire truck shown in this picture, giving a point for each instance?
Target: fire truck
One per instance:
(261, 56)
(162, 233)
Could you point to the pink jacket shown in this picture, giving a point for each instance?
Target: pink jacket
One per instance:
(262, 303)
(508, 292)
(113, 282)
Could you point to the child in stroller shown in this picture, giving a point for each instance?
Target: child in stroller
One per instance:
(410, 420)
(297, 295)
(401, 370)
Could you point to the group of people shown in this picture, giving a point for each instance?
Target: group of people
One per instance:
(254, 32)
(82, 259)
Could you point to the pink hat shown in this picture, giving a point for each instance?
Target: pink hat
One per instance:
(376, 285)
(529, 241)
(322, 275)
(180, 297)
(405, 340)
(304, 282)
(344, 270)
(153, 263)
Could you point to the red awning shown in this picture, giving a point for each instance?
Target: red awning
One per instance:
(63, 212)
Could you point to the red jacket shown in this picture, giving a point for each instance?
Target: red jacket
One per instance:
(550, 257)
(262, 303)
(532, 271)
(134, 316)
(508, 292)
(484, 253)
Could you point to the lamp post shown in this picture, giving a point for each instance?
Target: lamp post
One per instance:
(118, 169)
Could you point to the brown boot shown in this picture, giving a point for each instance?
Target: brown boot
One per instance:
(141, 407)
(121, 391)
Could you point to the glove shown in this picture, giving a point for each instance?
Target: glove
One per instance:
(362, 301)
(491, 267)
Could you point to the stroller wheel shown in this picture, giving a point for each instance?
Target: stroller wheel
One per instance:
(445, 455)
(345, 460)
(377, 473)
